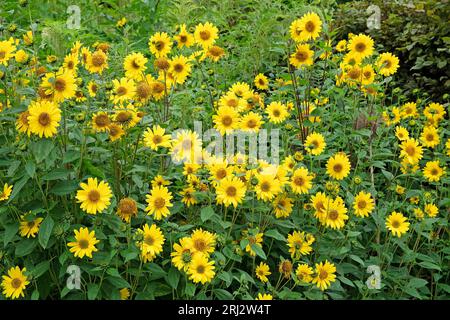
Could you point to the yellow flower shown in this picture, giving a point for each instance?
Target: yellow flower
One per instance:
(123, 90)
(29, 228)
(447, 145)
(363, 204)
(306, 28)
(304, 273)
(60, 85)
(188, 196)
(226, 120)
(7, 49)
(156, 137)
(126, 209)
(418, 213)
(214, 53)
(182, 254)
(21, 56)
(22, 123)
(205, 34)
(151, 243)
(179, 68)
(101, 121)
(261, 82)
(134, 65)
(124, 293)
(184, 38)
(361, 46)
(338, 166)
(251, 122)
(401, 133)
(96, 62)
(43, 118)
(334, 215)
(230, 191)
(397, 224)
(268, 186)
(186, 147)
(303, 56)
(409, 110)
(325, 274)
(431, 210)
(201, 270)
(92, 88)
(434, 112)
(264, 296)
(28, 38)
(432, 171)
(93, 196)
(282, 206)
(430, 137)
(115, 131)
(315, 143)
(120, 23)
(159, 202)
(15, 282)
(299, 244)
(341, 46)
(387, 64)
(253, 239)
(160, 44)
(84, 244)
(262, 271)
(277, 112)
(399, 189)
(301, 181)
(411, 150)
(7, 189)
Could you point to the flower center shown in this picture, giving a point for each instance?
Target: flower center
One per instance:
(362, 204)
(323, 275)
(360, 47)
(200, 269)
(44, 119)
(121, 91)
(205, 35)
(395, 224)
(227, 121)
(333, 214)
(231, 191)
(98, 60)
(94, 195)
(299, 181)
(16, 283)
(337, 167)
(200, 244)
(157, 139)
(160, 203)
(83, 244)
(60, 84)
(149, 240)
(265, 186)
(102, 120)
(310, 26)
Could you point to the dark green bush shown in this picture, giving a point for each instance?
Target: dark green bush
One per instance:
(416, 31)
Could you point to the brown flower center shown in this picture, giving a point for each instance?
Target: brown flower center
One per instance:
(121, 91)
(98, 59)
(160, 203)
(310, 26)
(44, 119)
(16, 283)
(94, 195)
(265, 186)
(333, 214)
(205, 35)
(227, 120)
(200, 244)
(60, 84)
(338, 168)
(102, 120)
(83, 244)
(231, 191)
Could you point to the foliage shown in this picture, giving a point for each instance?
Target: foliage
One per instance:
(421, 40)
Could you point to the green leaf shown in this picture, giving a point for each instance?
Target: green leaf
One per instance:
(45, 231)
(30, 168)
(156, 270)
(93, 289)
(10, 232)
(35, 295)
(429, 265)
(25, 247)
(223, 294)
(206, 213)
(417, 283)
(40, 269)
(259, 251)
(189, 290)
(273, 233)
(173, 278)
(93, 170)
(57, 174)
(71, 156)
(41, 149)
(18, 187)
(62, 188)
(118, 282)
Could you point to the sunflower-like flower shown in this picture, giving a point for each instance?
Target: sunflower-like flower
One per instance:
(124, 89)
(134, 65)
(299, 243)
(397, 223)
(261, 82)
(29, 228)
(361, 46)
(277, 112)
(84, 244)
(15, 283)
(363, 204)
(324, 275)
(43, 118)
(151, 243)
(338, 166)
(387, 64)
(206, 34)
(262, 271)
(226, 120)
(93, 196)
(303, 56)
(160, 44)
(201, 270)
(60, 85)
(97, 62)
(433, 171)
(306, 28)
(6, 192)
(230, 191)
(7, 49)
(301, 181)
(159, 202)
(180, 68)
(184, 38)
